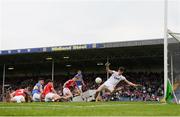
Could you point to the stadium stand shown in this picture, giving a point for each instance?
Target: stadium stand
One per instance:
(143, 61)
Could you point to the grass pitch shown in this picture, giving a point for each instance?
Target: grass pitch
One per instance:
(89, 109)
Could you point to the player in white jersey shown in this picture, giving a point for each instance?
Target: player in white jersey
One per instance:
(112, 82)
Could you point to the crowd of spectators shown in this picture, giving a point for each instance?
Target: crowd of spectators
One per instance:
(151, 90)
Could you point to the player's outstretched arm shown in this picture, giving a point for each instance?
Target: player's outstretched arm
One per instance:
(53, 90)
(131, 84)
(12, 94)
(107, 68)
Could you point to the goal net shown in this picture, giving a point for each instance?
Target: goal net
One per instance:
(173, 25)
(174, 62)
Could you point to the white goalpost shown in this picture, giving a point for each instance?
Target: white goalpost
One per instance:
(165, 46)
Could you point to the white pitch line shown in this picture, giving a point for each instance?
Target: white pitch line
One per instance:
(97, 105)
(69, 106)
(21, 108)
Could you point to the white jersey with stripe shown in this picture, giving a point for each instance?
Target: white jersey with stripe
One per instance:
(115, 78)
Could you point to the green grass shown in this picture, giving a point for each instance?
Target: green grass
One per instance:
(89, 109)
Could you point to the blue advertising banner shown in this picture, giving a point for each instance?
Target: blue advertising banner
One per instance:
(51, 49)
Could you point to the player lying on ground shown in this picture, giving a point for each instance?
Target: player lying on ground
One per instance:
(19, 95)
(112, 82)
(49, 92)
(68, 85)
(38, 90)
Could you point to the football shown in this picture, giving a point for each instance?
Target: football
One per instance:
(98, 80)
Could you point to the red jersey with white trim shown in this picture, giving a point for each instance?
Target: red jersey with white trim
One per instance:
(20, 92)
(47, 89)
(70, 83)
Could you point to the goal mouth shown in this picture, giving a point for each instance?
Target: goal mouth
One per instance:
(174, 63)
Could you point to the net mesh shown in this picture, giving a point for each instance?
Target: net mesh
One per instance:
(174, 45)
(174, 62)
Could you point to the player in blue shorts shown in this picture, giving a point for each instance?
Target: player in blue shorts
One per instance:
(37, 90)
(80, 82)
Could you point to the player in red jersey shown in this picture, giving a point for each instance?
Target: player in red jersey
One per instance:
(49, 92)
(68, 85)
(19, 95)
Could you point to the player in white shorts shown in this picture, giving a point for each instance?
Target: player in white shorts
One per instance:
(68, 86)
(19, 95)
(49, 92)
(38, 90)
(112, 82)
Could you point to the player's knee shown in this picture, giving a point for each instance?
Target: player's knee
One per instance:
(70, 95)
